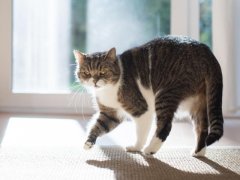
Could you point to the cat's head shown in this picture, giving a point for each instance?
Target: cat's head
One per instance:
(98, 69)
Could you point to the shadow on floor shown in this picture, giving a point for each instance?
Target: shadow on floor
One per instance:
(125, 167)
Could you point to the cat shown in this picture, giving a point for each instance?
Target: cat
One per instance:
(151, 82)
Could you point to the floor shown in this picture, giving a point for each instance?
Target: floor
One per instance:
(50, 147)
(39, 130)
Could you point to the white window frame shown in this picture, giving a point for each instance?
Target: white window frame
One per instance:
(185, 18)
(184, 21)
(226, 41)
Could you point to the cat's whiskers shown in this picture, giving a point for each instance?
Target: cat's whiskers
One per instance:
(83, 101)
(73, 64)
(75, 91)
(79, 93)
(81, 98)
(77, 88)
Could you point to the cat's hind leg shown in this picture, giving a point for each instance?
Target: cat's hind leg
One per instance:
(166, 104)
(106, 122)
(143, 126)
(200, 121)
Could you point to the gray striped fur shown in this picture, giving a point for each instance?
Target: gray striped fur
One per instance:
(175, 68)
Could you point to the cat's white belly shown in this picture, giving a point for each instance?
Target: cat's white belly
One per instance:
(187, 104)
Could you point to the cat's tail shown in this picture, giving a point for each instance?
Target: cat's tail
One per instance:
(214, 88)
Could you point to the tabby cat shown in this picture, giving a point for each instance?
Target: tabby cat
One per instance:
(151, 82)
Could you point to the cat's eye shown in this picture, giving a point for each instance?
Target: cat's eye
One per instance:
(87, 73)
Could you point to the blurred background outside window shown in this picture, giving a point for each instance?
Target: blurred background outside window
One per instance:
(45, 33)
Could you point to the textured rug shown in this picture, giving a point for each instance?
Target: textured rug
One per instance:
(103, 163)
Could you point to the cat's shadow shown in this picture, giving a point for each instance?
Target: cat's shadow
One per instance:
(128, 168)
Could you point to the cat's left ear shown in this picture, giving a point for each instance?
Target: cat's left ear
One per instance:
(111, 54)
(79, 56)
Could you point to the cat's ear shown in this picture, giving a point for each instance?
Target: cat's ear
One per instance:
(111, 54)
(79, 56)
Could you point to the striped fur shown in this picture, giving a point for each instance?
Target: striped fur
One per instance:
(171, 69)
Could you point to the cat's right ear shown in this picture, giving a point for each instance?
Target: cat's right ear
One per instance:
(79, 56)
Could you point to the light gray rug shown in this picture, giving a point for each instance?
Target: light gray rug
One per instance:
(114, 163)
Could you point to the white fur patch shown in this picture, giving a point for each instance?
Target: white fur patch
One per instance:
(154, 146)
(89, 82)
(101, 83)
(148, 96)
(88, 145)
(108, 96)
(143, 125)
(200, 153)
(188, 103)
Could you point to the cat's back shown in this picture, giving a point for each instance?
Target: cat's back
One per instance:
(162, 45)
(168, 59)
(141, 59)
(168, 41)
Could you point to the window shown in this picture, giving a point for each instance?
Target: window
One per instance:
(38, 39)
(42, 45)
(206, 22)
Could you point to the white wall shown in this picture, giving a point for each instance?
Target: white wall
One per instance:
(226, 41)
(237, 49)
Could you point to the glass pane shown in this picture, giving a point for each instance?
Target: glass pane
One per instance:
(206, 22)
(124, 24)
(41, 46)
(45, 33)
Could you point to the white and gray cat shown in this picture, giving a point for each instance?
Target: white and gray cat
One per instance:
(150, 82)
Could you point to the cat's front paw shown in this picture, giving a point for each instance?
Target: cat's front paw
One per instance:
(149, 151)
(153, 147)
(88, 145)
(133, 149)
(200, 153)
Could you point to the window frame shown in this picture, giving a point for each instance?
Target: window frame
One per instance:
(184, 21)
(185, 18)
(27, 102)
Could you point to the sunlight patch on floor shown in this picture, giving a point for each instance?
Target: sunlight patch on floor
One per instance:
(71, 131)
(43, 132)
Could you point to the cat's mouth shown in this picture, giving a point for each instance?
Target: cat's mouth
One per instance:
(96, 86)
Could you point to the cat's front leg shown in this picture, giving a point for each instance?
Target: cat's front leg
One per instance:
(92, 137)
(143, 126)
(106, 122)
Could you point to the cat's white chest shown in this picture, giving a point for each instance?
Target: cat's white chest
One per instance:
(109, 96)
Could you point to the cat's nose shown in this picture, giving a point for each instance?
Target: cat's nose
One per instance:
(95, 81)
